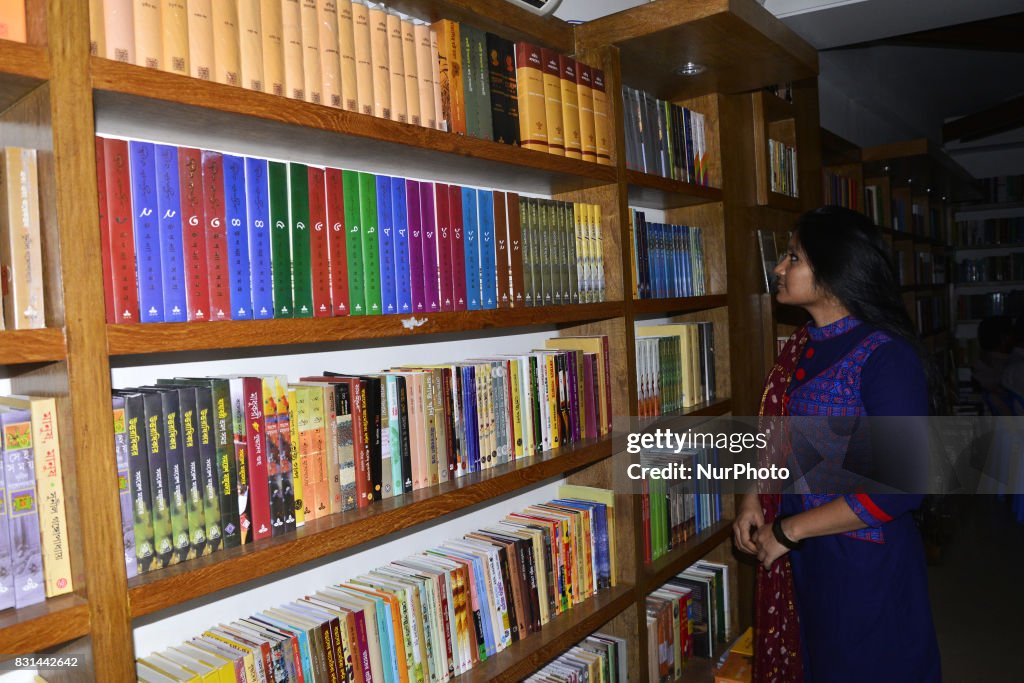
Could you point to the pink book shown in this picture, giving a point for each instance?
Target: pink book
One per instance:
(458, 249)
(256, 454)
(216, 236)
(318, 245)
(428, 225)
(412, 199)
(336, 241)
(444, 247)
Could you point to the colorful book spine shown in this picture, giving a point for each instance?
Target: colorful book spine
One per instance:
(488, 260)
(216, 237)
(412, 195)
(257, 197)
(471, 248)
(533, 127)
(515, 250)
(153, 438)
(386, 247)
(400, 223)
(117, 179)
(370, 245)
(354, 243)
(302, 277)
(177, 488)
(193, 219)
(336, 241)
(108, 272)
(123, 488)
(255, 436)
(172, 266)
(443, 231)
(319, 249)
(139, 487)
(237, 235)
(22, 508)
(458, 248)
(503, 292)
(431, 288)
(147, 231)
(194, 479)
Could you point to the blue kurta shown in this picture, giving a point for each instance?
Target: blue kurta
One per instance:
(862, 597)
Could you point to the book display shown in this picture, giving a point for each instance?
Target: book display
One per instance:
(307, 288)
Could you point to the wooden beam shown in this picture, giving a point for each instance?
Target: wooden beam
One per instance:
(1005, 116)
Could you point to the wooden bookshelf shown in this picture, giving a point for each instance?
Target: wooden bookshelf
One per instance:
(713, 408)
(655, 192)
(39, 627)
(31, 346)
(22, 69)
(686, 304)
(678, 559)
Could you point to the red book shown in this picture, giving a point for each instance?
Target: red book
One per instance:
(122, 236)
(444, 247)
(458, 248)
(193, 222)
(337, 256)
(318, 247)
(515, 250)
(108, 276)
(501, 267)
(216, 236)
(256, 457)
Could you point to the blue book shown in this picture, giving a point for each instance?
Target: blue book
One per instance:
(142, 157)
(471, 247)
(400, 223)
(172, 264)
(652, 255)
(675, 275)
(488, 260)
(386, 245)
(257, 194)
(237, 237)
(472, 421)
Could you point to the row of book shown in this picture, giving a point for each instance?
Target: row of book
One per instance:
(841, 190)
(212, 463)
(675, 366)
(991, 269)
(428, 617)
(977, 306)
(667, 260)
(1006, 188)
(664, 139)
(990, 232)
(932, 314)
(21, 257)
(675, 510)
(35, 561)
(926, 271)
(782, 169)
(686, 617)
(598, 658)
(198, 235)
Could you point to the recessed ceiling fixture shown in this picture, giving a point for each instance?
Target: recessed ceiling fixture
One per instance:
(690, 69)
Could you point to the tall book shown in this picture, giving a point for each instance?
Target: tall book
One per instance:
(370, 246)
(172, 267)
(21, 506)
(119, 30)
(410, 69)
(435, 73)
(146, 30)
(302, 277)
(386, 238)
(362, 43)
(380, 60)
(237, 236)
(200, 39)
(12, 21)
(20, 241)
(396, 68)
(602, 118)
(585, 93)
(312, 70)
(294, 55)
(570, 107)
(174, 25)
(336, 241)
(552, 77)
(250, 46)
(354, 243)
(216, 236)
(428, 227)
(108, 275)
(453, 98)
(226, 54)
(533, 126)
(257, 188)
(193, 219)
(424, 73)
(347, 54)
(403, 265)
(280, 239)
(319, 249)
(123, 488)
(147, 231)
(272, 37)
(330, 52)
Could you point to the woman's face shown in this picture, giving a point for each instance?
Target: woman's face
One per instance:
(796, 284)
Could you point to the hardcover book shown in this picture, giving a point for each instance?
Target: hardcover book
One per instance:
(443, 232)
(123, 488)
(330, 52)
(428, 225)
(471, 248)
(552, 81)
(217, 256)
(257, 189)
(200, 39)
(20, 241)
(319, 249)
(458, 258)
(172, 267)
(272, 37)
(379, 60)
(174, 22)
(21, 506)
(147, 231)
(400, 222)
(250, 45)
(193, 219)
(336, 241)
(226, 55)
(386, 246)
(312, 72)
(533, 127)
(354, 243)
(237, 236)
(362, 32)
(347, 54)
(294, 54)
(410, 68)
(370, 245)
(396, 68)
(302, 276)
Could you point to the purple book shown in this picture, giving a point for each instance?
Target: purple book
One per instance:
(431, 286)
(123, 479)
(412, 196)
(22, 513)
(6, 572)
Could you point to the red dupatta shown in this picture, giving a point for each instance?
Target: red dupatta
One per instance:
(777, 657)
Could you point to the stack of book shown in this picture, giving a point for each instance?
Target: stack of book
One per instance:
(675, 366)
(429, 617)
(677, 510)
(843, 191)
(667, 260)
(211, 463)
(664, 139)
(990, 232)
(35, 561)
(597, 658)
(198, 235)
(21, 256)
(782, 168)
(686, 618)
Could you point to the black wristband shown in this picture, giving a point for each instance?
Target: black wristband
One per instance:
(781, 536)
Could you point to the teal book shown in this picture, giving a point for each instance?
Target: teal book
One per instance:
(354, 243)
(280, 239)
(370, 247)
(302, 273)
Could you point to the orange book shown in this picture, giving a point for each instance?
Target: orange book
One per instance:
(200, 39)
(119, 30)
(424, 72)
(20, 244)
(174, 22)
(533, 127)
(226, 58)
(146, 29)
(435, 71)
(570, 107)
(271, 33)
(97, 45)
(12, 20)
(379, 58)
(588, 137)
(449, 54)
(250, 45)
(602, 118)
(553, 100)
(347, 50)
(364, 58)
(291, 33)
(330, 56)
(396, 68)
(312, 73)
(409, 68)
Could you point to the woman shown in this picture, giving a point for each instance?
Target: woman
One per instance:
(842, 592)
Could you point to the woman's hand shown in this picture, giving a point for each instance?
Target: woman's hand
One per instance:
(768, 548)
(749, 519)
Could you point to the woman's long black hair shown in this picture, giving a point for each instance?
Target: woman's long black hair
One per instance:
(851, 259)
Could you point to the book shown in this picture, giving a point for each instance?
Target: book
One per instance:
(237, 238)
(396, 68)
(147, 231)
(370, 248)
(219, 305)
(767, 241)
(272, 47)
(585, 95)
(250, 46)
(226, 52)
(118, 30)
(20, 239)
(330, 53)
(299, 235)
(533, 127)
(347, 54)
(379, 60)
(602, 117)
(174, 55)
(362, 49)
(170, 231)
(123, 487)
(410, 69)
(294, 50)
(21, 507)
(552, 75)
(319, 236)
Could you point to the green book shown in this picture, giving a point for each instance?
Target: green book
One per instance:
(302, 273)
(280, 239)
(193, 469)
(371, 248)
(481, 72)
(546, 297)
(570, 250)
(537, 249)
(564, 238)
(354, 244)
(469, 83)
(526, 225)
(153, 437)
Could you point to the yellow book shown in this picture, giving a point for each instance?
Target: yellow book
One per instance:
(602, 118)
(453, 104)
(379, 58)
(435, 74)
(411, 73)
(200, 39)
(204, 672)
(222, 665)
(553, 407)
(552, 77)
(595, 213)
(291, 33)
(533, 127)
(312, 72)
(585, 93)
(364, 56)
(119, 30)
(582, 257)
(146, 31)
(517, 410)
(597, 495)
(20, 243)
(12, 20)
(97, 44)
(293, 423)
(226, 57)
(272, 36)
(347, 51)
(570, 107)
(174, 22)
(317, 462)
(424, 73)
(684, 334)
(247, 654)
(330, 52)
(396, 68)
(170, 669)
(145, 673)
(304, 435)
(250, 46)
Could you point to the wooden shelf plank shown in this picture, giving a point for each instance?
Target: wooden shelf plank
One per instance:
(712, 408)
(990, 283)
(39, 627)
(655, 192)
(132, 100)
(169, 337)
(322, 537)
(687, 304)
(783, 202)
(32, 346)
(22, 68)
(776, 108)
(678, 559)
(526, 656)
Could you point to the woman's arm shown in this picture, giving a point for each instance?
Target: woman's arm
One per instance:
(834, 517)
